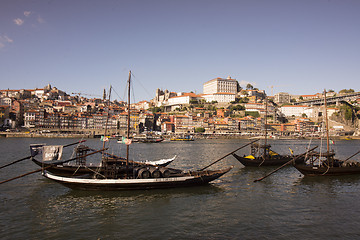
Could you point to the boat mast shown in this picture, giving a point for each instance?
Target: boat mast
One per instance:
(327, 129)
(266, 109)
(128, 126)
(107, 118)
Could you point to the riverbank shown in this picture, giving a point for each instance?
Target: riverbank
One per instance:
(196, 136)
(42, 135)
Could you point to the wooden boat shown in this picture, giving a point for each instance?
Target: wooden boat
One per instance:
(122, 175)
(325, 164)
(143, 180)
(321, 164)
(262, 155)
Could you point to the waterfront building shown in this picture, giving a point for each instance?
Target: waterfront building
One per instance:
(4, 114)
(29, 118)
(183, 124)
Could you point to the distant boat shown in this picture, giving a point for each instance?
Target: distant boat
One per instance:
(145, 139)
(183, 138)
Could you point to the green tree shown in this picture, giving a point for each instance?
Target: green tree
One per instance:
(157, 109)
(254, 114)
(249, 86)
(199, 130)
(347, 91)
(348, 113)
(244, 100)
(237, 108)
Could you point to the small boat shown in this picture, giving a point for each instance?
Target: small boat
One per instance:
(325, 163)
(183, 138)
(145, 139)
(262, 155)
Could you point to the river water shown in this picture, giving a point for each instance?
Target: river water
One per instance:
(285, 205)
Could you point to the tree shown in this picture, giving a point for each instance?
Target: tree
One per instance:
(254, 114)
(157, 109)
(249, 86)
(244, 100)
(199, 130)
(348, 113)
(347, 91)
(237, 108)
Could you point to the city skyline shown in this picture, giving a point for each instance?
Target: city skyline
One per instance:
(299, 47)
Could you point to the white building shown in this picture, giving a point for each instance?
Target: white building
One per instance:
(290, 110)
(38, 92)
(5, 101)
(29, 118)
(183, 99)
(219, 97)
(220, 85)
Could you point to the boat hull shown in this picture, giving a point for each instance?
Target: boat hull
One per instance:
(189, 179)
(257, 162)
(325, 171)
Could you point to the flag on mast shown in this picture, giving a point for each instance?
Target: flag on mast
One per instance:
(126, 141)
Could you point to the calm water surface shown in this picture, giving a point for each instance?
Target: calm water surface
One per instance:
(285, 205)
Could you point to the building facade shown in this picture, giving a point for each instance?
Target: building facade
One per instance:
(282, 97)
(218, 85)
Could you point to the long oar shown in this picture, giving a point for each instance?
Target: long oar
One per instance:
(292, 160)
(228, 155)
(44, 168)
(352, 156)
(22, 159)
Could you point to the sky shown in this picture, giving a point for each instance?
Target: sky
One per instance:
(84, 46)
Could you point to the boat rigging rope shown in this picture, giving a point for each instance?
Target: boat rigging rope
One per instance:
(73, 153)
(76, 170)
(96, 173)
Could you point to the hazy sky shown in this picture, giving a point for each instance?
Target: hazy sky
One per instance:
(296, 46)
